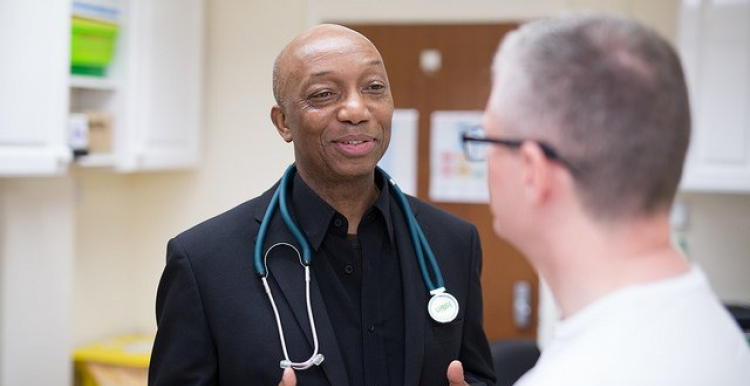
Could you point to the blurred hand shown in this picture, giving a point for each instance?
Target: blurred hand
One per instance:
(288, 378)
(455, 374)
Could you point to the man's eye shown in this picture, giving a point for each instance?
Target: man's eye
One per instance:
(376, 87)
(322, 95)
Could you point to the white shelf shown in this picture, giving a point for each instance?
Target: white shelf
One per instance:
(96, 160)
(92, 83)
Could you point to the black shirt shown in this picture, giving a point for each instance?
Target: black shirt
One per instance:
(360, 280)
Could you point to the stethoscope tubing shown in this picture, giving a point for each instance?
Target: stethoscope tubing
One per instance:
(277, 199)
(421, 246)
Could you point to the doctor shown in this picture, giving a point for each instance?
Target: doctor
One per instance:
(365, 312)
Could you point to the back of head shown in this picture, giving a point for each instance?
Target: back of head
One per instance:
(609, 94)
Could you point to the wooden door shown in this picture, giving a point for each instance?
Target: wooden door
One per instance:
(462, 83)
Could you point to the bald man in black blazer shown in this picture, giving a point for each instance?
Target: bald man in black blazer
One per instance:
(216, 325)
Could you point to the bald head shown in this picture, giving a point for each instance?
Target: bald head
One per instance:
(318, 40)
(334, 104)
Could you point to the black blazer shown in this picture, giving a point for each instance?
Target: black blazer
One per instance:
(216, 325)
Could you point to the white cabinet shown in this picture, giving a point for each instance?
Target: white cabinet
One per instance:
(714, 42)
(34, 47)
(162, 87)
(153, 90)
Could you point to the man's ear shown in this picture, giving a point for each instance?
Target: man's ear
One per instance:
(536, 173)
(278, 117)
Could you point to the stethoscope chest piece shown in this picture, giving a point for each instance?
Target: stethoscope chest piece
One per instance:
(443, 307)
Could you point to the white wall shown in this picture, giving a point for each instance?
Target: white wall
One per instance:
(718, 239)
(661, 14)
(36, 273)
(124, 222)
(104, 264)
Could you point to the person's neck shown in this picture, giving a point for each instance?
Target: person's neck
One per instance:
(588, 262)
(351, 198)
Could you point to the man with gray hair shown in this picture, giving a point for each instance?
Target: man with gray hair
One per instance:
(587, 128)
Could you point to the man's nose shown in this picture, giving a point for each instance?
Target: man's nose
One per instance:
(354, 109)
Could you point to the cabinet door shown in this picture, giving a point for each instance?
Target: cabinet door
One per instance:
(163, 93)
(34, 47)
(715, 47)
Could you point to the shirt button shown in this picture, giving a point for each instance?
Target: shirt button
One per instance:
(348, 269)
(371, 327)
(337, 222)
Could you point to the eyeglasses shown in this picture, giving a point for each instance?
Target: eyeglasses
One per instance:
(476, 144)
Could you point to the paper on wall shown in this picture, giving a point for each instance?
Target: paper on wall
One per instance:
(400, 160)
(452, 177)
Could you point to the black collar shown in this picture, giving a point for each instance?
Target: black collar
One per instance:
(314, 215)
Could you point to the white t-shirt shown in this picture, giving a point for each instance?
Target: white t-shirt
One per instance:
(673, 332)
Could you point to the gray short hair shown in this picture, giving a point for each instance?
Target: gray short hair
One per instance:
(610, 95)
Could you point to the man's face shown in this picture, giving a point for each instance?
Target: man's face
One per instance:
(337, 106)
(502, 174)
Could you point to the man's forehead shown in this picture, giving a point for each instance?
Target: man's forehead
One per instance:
(332, 45)
(311, 51)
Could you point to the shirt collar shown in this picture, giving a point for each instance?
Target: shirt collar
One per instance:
(383, 204)
(316, 216)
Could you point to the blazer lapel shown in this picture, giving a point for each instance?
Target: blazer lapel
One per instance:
(415, 304)
(288, 273)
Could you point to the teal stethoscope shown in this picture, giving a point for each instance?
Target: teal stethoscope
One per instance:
(442, 307)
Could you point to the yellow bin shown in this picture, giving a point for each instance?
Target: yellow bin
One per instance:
(118, 361)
